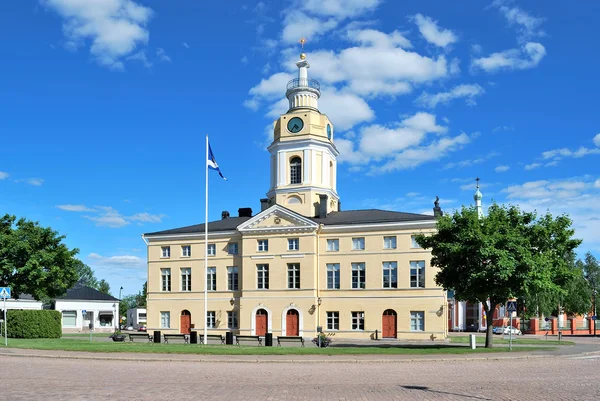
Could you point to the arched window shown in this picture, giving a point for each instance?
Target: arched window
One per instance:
(296, 170)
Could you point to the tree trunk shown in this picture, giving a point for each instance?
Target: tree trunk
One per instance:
(489, 319)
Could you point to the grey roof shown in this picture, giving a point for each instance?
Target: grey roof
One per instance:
(88, 294)
(367, 216)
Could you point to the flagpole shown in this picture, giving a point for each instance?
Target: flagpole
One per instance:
(206, 248)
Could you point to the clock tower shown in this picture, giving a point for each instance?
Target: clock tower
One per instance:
(303, 155)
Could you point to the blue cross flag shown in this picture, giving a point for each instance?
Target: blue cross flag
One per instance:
(212, 163)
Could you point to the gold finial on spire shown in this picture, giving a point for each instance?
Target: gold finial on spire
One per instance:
(302, 42)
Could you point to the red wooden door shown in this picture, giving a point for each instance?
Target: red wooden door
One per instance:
(185, 322)
(261, 322)
(291, 323)
(388, 324)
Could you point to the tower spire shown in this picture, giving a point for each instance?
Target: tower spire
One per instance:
(477, 197)
(303, 92)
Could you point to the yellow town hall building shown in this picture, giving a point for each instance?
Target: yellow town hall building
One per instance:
(301, 262)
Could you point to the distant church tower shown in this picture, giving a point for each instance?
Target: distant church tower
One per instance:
(477, 197)
(303, 155)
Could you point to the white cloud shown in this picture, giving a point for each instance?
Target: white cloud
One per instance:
(146, 217)
(433, 33)
(503, 128)
(116, 262)
(3, 175)
(597, 140)
(372, 37)
(141, 57)
(532, 166)
(528, 56)
(298, 24)
(109, 217)
(597, 183)
(564, 152)
(346, 109)
(339, 8)
(501, 169)
(469, 92)
(527, 25)
(162, 55)
(114, 28)
(184, 44)
(470, 162)
(244, 60)
(75, 208)
(36, 182)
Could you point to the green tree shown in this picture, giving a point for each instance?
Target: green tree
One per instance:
(34, 260)
(104, 287)
(128, 302)
(496, 257)
(140, 298)
(85, 275)
(591, 274)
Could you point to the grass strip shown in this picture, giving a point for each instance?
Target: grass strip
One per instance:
(516, 340)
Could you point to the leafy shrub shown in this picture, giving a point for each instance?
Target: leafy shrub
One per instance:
(34, 323)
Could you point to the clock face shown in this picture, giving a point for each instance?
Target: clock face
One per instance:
(328, 131)
(295, 125)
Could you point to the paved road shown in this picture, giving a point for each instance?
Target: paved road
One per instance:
(573, 377)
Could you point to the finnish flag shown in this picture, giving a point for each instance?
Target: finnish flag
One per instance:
(212, 163)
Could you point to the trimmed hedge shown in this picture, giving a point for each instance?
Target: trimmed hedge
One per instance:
(34, 323)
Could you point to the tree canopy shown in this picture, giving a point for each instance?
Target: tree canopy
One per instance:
(34, 260)
(508, 253)
(85, 275)
(104, 287)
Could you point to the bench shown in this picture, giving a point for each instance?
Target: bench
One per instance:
(211, 337)
(257, 338)
(183, 337)
(289, 339)
(145, 336)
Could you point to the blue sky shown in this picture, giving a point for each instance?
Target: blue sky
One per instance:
(105, 105)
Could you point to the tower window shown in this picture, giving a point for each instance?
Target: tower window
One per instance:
(296, 170)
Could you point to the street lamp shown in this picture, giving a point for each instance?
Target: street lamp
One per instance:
(118, 317)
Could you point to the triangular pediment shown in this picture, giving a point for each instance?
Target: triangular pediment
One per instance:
(277, 219)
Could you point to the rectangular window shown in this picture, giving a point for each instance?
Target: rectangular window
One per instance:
(212, 249)
(333, 276)
(232, 278)
(358, 244)
(417, 321)
(333, 320)
(333, 245)
(413, 242)
(417, 274)
(293, 244)
(211, 320)
(211, 279)
(294, 276)
(165, 279)
(165, 320)
(165, 251)
(358, 275)
(262, 276)
(186, 279)
(232, 248)
(390, 275)
(69, 318)
(232, 319)
(186, 251)
(358, 320)
(263, 245)
(389, 242)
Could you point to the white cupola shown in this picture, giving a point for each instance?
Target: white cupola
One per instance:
(303, 92)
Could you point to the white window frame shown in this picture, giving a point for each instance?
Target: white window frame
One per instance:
(413, 242)
(293, 276)
(417, 321)
(186, 279)
(165, 279)
(233, 278)
(262, 276)
(358, 321)
(357, 268)
(232, 246)
(72, 314)
(232, 319)
(389, 242)
(296, 170)
(334, 269)
(211, 278)
(165, 252)
(165, 320)
(293, 244)
(262, 245)
(333, 245)
(390, 269)
(212, 250)
(417, 270)
(358, 243)
(186, 251)
(333, 320)
(211, 319)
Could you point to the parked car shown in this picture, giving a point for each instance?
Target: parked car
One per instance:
(142, 328)
(506, 330)
(130, 328)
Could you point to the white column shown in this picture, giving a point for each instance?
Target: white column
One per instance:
(326, 176)
(314, 169)
(307, 165)
(281, 168)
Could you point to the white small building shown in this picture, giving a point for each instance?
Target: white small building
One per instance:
(84, 305)
(136, 317)
(25, 301)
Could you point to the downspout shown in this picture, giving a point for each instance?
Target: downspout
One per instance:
(319, 229)
(147, 279)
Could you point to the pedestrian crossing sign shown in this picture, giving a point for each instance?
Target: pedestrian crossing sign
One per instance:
(4, 292)
(511, 306)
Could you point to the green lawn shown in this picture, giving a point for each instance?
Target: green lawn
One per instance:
(70, 345)
(516, 340)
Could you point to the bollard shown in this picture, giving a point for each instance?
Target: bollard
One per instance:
(376, 334)
(472, 342)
